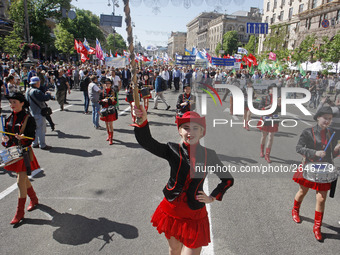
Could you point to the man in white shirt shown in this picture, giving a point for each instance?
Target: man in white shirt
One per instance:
(117, 84)
(94, 92)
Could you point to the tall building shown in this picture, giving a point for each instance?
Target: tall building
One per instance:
(6, 25)
(196, 25)
(207, 29)
(176, 43)
(293, 20)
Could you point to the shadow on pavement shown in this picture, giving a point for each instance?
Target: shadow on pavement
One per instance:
(75, 229)
(155, 123)
(127, 131)
(61, 134)
(127, 144)
(236, 160)
(327, 226)
(10, 173)
(76, 152)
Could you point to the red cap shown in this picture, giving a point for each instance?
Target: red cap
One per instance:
(191, 117)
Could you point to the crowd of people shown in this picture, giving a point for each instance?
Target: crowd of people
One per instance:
(182, 215)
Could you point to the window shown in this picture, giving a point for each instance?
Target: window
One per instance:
(309, 23)
(314, 3)
(274, 17)
(290, 13)
(268, 6)
(338, 16)
(267, 19)
(300, 8)
(281, 15)
(297, 27)
(320, 21)
(275, 4)
(283, 2)
(241, 28)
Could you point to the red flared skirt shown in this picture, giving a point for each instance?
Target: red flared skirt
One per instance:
(190, 227)
(270, 128)
(298, 178)
(109, 118)
(20, 165)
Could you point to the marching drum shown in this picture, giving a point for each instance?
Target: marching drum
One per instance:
(145, 92)
(321, 172)
(129, 96)
(10, 155)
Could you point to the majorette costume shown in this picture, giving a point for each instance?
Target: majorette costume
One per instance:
(22, 123)
(182, 98)
(179, 214)
(312, 140)
(109, 112)
(144, 92)
(268, 126)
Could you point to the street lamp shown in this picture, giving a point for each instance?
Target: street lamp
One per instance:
(114, 5)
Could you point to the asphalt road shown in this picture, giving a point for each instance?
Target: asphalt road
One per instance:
(98, 199)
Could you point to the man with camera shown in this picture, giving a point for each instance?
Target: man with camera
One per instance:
(36, 99)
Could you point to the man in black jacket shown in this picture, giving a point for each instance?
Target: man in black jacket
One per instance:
(84, 85)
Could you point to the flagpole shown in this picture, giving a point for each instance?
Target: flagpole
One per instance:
(132, 56)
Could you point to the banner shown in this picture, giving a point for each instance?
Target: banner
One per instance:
(185, 60)
(201, 63)
(223, 61)
(115, 62)
(272, 56)
(238, 56)
(242, 51)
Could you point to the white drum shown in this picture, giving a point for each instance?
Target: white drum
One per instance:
(321, 172)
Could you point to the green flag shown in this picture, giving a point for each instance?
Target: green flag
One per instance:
(301, 70)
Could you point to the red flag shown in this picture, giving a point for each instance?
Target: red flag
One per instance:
(252, 59)
(145, 59)
(82, 49)
(76, 46)
(83, 57)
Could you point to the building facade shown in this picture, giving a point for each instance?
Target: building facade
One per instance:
(176, 43)
(207, 29)
(297, 19)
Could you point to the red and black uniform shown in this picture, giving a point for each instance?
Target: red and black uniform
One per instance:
(110, 95)
(268, 126)
(13, 125)
(179, 214)
(313, 140)
(182, 98)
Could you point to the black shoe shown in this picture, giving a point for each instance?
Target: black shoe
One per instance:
(52, 127)
(46, 148)
(155, 108)
(168, 107)
(36, 146)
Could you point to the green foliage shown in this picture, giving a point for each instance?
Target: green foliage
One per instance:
(333, 49)
(275, 40)
(85, 25)
(306, 50)
(218, 48)
(12, 44)
(250, 45)
(115, 43)
(230, 42)
(64, 41)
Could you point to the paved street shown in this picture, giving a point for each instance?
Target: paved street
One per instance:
(98, 199)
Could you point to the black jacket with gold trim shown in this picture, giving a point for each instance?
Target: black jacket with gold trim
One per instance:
(178, 159)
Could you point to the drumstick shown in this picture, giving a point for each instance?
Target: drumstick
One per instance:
(328, 143)
(3, 126)
(8, 133)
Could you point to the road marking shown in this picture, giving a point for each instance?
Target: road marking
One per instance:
(9, 190)
(128, 108)
(298, 118)
(57, 110)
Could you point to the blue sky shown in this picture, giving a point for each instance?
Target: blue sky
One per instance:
(154, 29)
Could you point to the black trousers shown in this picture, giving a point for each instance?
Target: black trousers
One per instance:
(176, 83)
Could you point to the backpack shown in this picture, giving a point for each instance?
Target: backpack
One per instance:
(164, 84)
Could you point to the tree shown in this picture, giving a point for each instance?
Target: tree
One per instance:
(85, 25)
(306, 50)
(64, 41)
(333, 49)
(12, 44)
(230, 42)
(276, 40)
(115, 43)
(250, 45)
(218, 48)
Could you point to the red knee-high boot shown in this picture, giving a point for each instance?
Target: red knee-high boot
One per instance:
(317, 225)
(295, 211)
(262, 151)
(267, 156)
(111, 138)
(19, 215)
(34, 199)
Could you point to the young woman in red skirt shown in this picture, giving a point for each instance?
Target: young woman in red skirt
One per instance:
(311, 146)
(14, 124)
(247, 113)
(182, 215)
(268, 128)
(108, 98)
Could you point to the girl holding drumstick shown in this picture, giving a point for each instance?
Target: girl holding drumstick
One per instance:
(21, 123)
(312, 146)
(182, 214)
